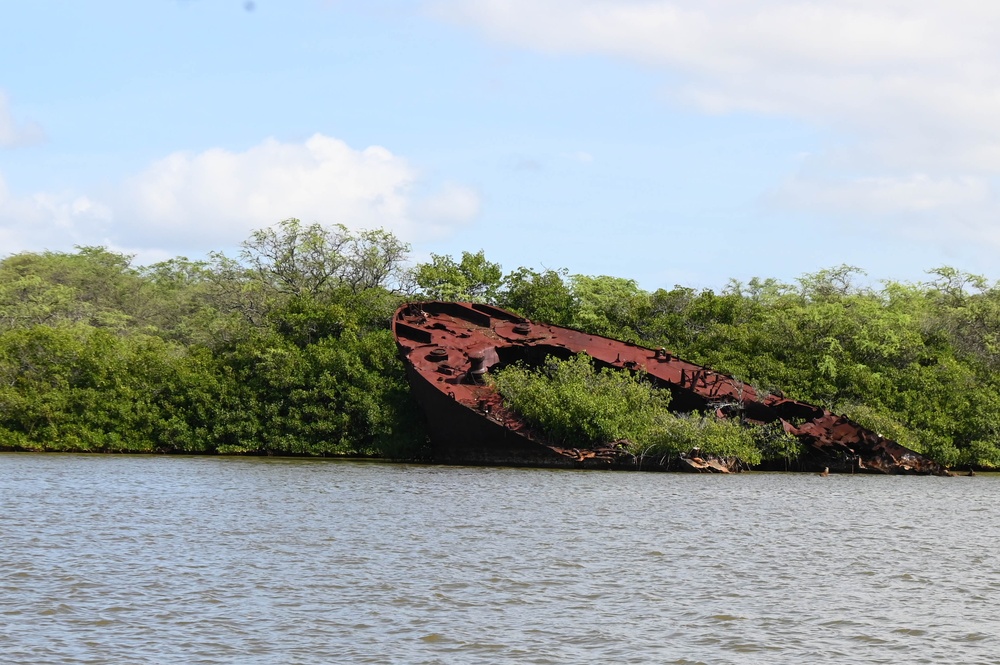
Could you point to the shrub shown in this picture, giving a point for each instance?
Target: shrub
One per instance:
(575, 404)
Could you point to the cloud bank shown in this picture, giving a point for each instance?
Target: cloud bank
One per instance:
(908, 89)
(215, 198)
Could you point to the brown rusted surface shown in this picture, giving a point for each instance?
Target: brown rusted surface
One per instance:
(449, 347)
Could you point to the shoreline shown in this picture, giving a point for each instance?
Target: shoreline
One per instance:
(953, 473)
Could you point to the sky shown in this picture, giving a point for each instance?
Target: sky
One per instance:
(674, 142)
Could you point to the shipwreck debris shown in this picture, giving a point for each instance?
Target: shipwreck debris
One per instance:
(449, 347)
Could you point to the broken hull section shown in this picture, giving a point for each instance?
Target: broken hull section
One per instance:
(448, 348)
(461, 434)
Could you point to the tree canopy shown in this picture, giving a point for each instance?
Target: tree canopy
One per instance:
(285, 347)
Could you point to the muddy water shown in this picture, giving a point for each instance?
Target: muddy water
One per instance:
(207, 560)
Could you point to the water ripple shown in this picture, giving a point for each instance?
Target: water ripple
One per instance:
(215, 560)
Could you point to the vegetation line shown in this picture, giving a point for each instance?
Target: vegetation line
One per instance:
(285, 349)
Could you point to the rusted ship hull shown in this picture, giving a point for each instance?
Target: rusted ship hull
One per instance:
(448, 347)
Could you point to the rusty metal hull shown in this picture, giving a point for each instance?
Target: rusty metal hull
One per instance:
(449, 346)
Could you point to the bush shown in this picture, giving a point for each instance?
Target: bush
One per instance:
(573, 403)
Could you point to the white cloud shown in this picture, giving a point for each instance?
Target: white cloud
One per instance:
(916, 194)
(14, 134)
(218, 194)
(215, 198)
(777, 56)
(956, 214)
(910, 87)
(50, 220)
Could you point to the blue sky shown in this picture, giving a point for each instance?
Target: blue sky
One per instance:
(673, 142)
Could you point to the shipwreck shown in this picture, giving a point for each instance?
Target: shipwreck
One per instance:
(449, 347)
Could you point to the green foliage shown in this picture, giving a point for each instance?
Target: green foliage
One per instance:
(285, 348)
(717, 437)
(287, 352)
(574, 404)
(93, 285)
(707, 435)
(609, 306)
(983, 454)
(883, 422)
(542, 296)
(80, 388)
(345, 395)
(472, 279)
(293, 259)
(914, 362)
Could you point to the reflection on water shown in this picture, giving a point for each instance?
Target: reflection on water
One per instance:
(229, 560)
